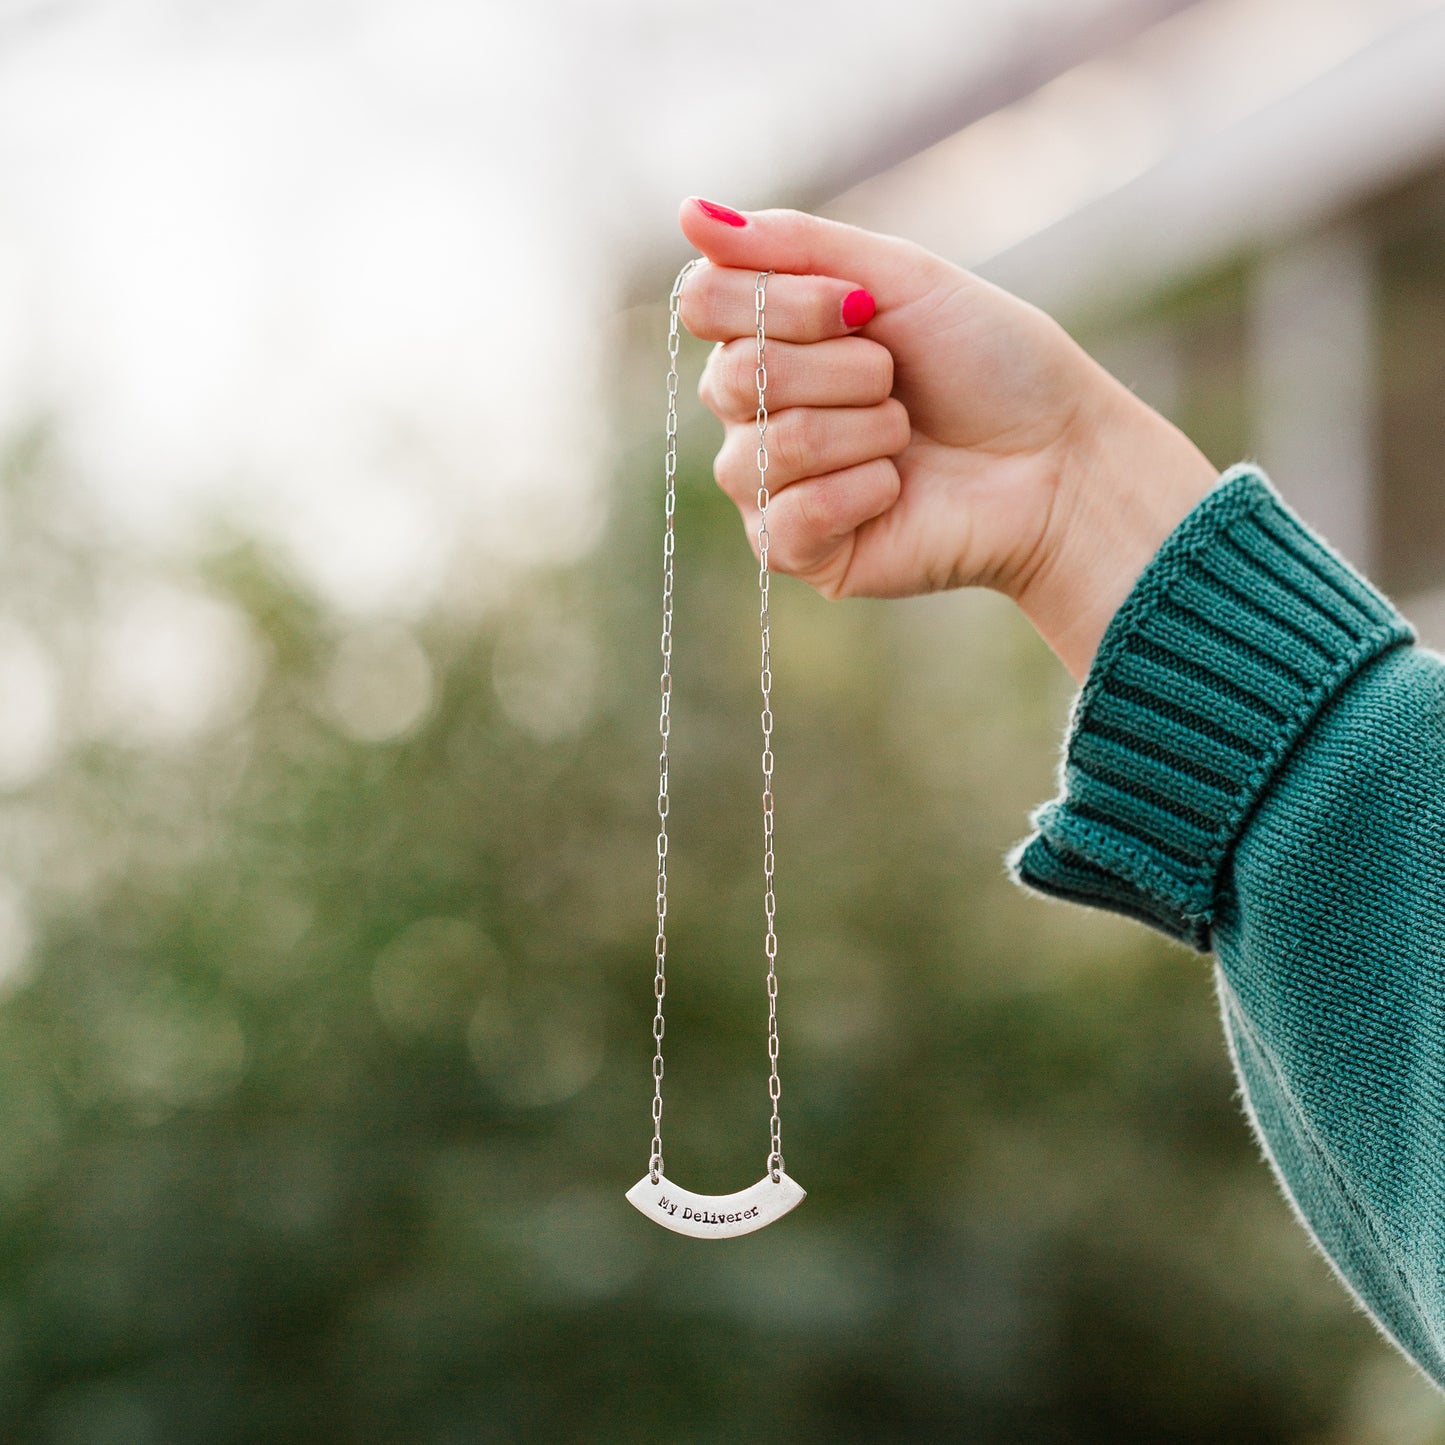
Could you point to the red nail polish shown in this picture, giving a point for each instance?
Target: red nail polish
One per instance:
(858, 308)
(720, 213)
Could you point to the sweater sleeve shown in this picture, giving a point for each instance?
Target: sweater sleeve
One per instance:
(1255, 765)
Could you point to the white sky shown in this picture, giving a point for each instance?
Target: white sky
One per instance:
(340, 269)
(1170, 91)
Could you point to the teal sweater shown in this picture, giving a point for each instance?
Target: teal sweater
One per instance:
(1255, 765)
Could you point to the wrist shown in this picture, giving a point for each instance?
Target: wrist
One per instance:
(1127, 478)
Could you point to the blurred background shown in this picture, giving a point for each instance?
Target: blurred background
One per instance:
(331, 398)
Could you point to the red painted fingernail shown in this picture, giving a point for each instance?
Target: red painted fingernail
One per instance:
(720, 213)
(858, 308)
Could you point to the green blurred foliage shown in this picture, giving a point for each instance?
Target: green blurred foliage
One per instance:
(320, 1093)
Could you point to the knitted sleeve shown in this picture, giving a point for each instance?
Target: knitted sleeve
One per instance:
(1255, 765)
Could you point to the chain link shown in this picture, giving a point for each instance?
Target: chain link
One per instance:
(664, 724)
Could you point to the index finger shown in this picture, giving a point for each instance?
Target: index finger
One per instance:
(719, 303)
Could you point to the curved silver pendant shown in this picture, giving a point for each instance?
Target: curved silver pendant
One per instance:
(716, 1216)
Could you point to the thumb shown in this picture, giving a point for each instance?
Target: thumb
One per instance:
(894, 270)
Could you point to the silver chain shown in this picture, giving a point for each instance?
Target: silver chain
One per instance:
(664, 721)
(664, 725)
(770, 907)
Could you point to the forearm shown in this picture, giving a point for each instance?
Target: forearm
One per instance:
(1127, 478)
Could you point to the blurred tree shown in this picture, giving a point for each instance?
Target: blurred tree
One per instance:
(328, 1068)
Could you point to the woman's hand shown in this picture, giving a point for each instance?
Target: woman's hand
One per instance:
(953, 436)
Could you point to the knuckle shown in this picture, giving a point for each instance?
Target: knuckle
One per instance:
(827, 509)
(897, 427)
(732, 470)
(696, 305)
(734, 377)
(890, 482)
(795, 445)
(727, 383)
(816, 510)
(708, 390)
(704, 311)
(880, 368)
(784, 554)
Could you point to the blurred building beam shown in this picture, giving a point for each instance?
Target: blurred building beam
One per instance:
(21, 18)
(1313, 367)
(1355, 131)
(1035, 58)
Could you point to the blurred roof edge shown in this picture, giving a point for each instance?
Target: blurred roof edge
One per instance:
(1359, 128)
(1022, 68)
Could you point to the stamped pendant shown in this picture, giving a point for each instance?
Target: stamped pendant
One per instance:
(716, 1216)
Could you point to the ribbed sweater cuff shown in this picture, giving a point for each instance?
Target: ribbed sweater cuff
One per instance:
(1240, 629)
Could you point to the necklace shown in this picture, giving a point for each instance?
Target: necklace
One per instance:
(716, 1216)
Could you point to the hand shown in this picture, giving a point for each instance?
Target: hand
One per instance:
(957, 437)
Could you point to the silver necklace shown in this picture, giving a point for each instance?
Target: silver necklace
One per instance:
(716, 1216)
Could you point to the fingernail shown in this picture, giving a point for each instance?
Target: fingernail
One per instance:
(720, 213)
(858, 308)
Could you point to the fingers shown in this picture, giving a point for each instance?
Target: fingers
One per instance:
(844, 371)
(809, 442)
(834, 429)
(812, 525)
(893, 270)
(718, 304)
